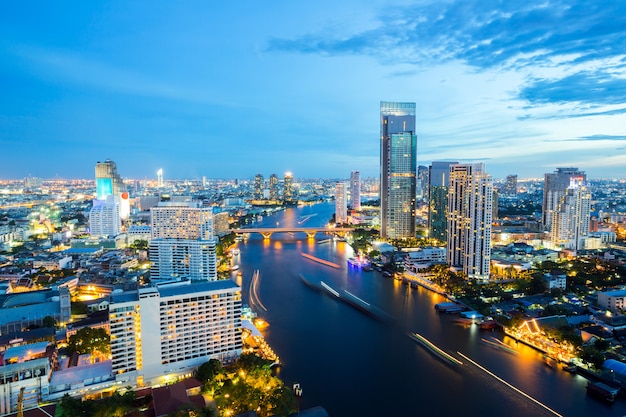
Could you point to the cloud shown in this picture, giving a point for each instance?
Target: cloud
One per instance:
(599, 88)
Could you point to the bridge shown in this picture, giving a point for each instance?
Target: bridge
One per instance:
(309, 231)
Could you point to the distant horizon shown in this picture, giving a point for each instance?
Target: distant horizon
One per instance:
(229, 89)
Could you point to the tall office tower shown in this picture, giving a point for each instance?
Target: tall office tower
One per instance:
(104, 218)
(204, 182)
(341, 203)
(160, 182)
(108, 181)
(554, 188)
(422, 181)
(167, 331)
(510, 186)
(288, 190)
(273, 187)
(258, 186)
(470, 196)
(183, 244)
(398, 164)
(438, 177)
(570, 222)
(355, 190)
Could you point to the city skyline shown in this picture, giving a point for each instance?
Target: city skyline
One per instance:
(209, 90)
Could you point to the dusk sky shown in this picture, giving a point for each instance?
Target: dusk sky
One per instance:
(231, 89)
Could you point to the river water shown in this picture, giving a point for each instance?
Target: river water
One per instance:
(353, 365)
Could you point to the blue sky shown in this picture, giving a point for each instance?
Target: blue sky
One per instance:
(231, 89)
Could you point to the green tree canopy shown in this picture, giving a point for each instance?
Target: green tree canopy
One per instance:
(91, 341)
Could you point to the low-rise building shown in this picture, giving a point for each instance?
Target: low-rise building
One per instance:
(556, 279)
(612, 300)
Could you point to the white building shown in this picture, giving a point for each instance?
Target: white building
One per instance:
(556, 280)
(104, 217)
(470, 199)
(138, 232)
(183, 243)
(424, 257)
(355, 190)
(612, 300)
(341, 203)
(159, 334)
(570, 221)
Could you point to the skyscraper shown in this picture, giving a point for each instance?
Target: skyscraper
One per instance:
(469, 220)
(160, 182)
(554, 188)
(288, 189)
(183, 244)
(437, 192)
(510, 186)
(570, 221)
(273, 187)
(398, 165)
(108, 181)
(104, 218)
(341, 203)
(258, 186)
(355, 190)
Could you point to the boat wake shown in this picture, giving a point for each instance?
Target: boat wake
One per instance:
(434, 349)
(255, 299)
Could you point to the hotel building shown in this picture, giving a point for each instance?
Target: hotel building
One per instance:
(159, 334)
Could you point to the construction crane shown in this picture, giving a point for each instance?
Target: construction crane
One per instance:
(20, 403)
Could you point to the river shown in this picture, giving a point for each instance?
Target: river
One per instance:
(353, 365)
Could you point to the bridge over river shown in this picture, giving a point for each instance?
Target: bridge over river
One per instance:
(309, 231)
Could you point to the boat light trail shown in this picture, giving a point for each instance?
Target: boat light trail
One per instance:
(321, 261)
(335, 293)
(509, 385)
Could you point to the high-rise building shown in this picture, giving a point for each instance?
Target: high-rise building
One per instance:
(398, 165)
(183, 244)
(510, 186)
(341, 202)
(104, 218)
(570, 222)
(554, 188)
(258, 186)
(167, 331)
(355, 190)
(422, 181)
(273, 187)
(470, 196)
(108, 181)
(438, 177)
(288, 189)
(160, 182)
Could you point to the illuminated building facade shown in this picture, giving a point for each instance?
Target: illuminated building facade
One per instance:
(258, 186)
(398, 165)
(182, 245)
(159, 334)
(570, 221)
(108, 181)
(160, 182)
(510, 186)
(438, 177)
(554, 187)
(355, 190)
(273, 187)
(341, 202)
(104, 218)
(470, 201)
(288, 189)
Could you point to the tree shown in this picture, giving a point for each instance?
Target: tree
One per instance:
(592, 355)
(139, 244)
(49, 321)
(91, 341)
(208, 370)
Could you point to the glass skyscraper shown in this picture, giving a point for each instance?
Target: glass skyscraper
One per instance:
(439, 176)
(398, 169)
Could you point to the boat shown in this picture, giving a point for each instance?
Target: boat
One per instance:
(427, 344)
(488, 324)
(234, 267)
(603, 391)
(570, 367)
